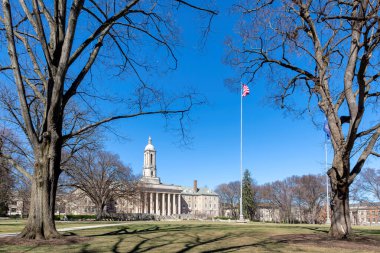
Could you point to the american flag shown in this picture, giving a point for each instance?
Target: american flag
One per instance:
(245, 90)
(327, 130)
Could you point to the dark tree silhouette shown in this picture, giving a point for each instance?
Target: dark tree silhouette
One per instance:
(249, 207)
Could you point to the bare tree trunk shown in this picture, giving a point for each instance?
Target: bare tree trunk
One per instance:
(340, 220)
(100, 213)
(40, 224)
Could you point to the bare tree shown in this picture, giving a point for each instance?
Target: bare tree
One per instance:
(229, 195)
(282, 195)
(103, 178)
(325, 53)
(369, 184)
(310, 194)
(298, 198)
(52, 48)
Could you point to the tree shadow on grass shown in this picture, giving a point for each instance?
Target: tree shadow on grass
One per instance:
(316, 229)
(138, 232)
(167, 238)
(124, 230)
(367, 232)
(152, 229)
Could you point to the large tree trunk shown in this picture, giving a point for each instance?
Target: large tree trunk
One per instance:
(100, 213)
(40, 224)
(340, 212)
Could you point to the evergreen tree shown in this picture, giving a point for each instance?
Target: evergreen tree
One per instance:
(249, 208)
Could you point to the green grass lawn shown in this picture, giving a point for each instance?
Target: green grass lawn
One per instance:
(16, 225)
(185, 236)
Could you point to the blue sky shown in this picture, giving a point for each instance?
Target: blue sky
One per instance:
(275, 146)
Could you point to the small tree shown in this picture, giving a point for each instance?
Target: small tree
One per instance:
(229, 195)
(310, 194)
(368, 184)
(102, 177)
(249, 207)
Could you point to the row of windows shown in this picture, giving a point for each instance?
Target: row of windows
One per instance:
(373, 219)
(206, 205)
(373, 212)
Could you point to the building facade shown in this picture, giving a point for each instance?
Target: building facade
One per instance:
(199, 202)
(365, 213)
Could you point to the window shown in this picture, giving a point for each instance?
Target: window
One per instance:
(151, 158)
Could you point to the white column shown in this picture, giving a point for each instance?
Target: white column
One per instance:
(163, 211)
(157, 210)
(179, 204)
(175, 203)
(145, 202)
(169, 204)
(151, 209)
(136, 206)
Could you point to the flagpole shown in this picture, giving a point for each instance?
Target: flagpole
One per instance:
(241, 153)
(327, 187)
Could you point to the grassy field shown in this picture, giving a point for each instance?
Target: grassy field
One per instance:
(186, 236)
(16, 225)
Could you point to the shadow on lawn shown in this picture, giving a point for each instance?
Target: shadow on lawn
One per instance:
(193, 240)
(184, 238)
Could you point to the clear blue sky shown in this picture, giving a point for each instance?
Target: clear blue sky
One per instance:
(275, 146)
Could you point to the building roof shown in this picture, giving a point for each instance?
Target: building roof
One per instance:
(200, 191)
(365, 205)
(150, 146)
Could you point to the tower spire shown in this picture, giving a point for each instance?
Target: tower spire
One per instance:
(149, 168)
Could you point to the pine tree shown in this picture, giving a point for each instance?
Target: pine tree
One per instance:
(249, 208)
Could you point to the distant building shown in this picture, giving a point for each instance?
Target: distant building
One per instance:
(199, 202)
(267, 213)
(18, 206)
(365, 213)
(15, 206)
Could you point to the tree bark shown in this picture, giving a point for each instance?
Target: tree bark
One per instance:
(340, 220)
(100, 213)
(40, 224)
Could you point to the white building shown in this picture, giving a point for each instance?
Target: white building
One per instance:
(168, 199)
